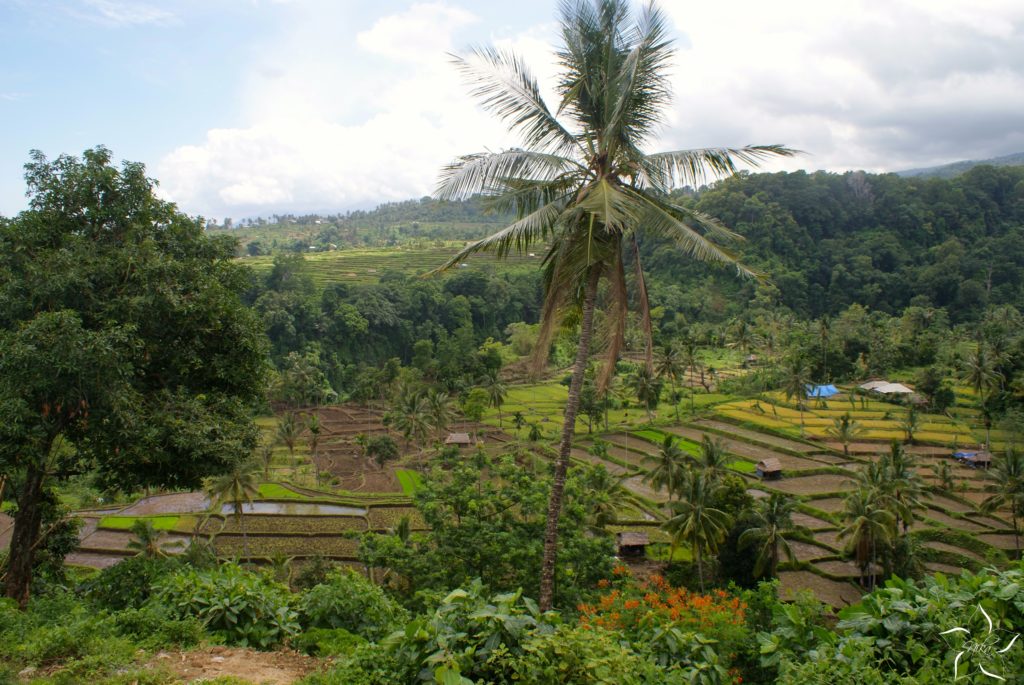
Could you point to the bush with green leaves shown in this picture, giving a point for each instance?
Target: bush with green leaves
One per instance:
(64, 635)
(327, 642)
(907, 632)
(349, 600)
(580, 656)
(467, 639)
(129, 583)
(238, 606)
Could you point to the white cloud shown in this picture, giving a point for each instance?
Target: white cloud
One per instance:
(324, 136)
(873, 84)
(128, 13)
(341, 113)
(424, 31)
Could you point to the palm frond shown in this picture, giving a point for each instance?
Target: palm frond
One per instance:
(639, 87)
(492, 173)
(519, 235)
(696, 167)
(615, 323)
(507, 88)
(645, 306)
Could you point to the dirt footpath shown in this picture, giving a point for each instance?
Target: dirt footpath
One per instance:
(260, 668)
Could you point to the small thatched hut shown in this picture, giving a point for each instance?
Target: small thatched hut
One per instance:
(769, 469)
(460, 440)
(632, 544)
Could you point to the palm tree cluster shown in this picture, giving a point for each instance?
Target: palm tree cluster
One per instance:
(419, 413)
(1007, 489)
(582, 186)
(878, 514)
(695, 485)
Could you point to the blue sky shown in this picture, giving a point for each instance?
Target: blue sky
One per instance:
(247, 107)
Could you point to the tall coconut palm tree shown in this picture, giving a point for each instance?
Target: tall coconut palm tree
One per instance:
(237, 487)
(772, 526)
(412, 418)
(1007, 488)
(979, 369)
(314, 428)
(440, 411)
(713, 457)
(845, 429)
(670, 367)
(647, 387)
(796, 378)
(289, 430)
(905, 489)
(148, 540)
(868, 525)
(496, 392)
(583, 185)
(695, 522)
(670, 469)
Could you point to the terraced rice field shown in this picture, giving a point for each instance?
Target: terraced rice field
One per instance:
(367, 265)
(815, 471)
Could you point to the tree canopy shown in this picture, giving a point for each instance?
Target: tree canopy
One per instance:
(124, 348)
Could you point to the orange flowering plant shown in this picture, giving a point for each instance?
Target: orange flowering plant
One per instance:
(673, 625)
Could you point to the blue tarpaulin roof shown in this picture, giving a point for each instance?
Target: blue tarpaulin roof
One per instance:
(821, 390)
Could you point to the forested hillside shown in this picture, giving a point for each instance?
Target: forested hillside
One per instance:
(826, 241)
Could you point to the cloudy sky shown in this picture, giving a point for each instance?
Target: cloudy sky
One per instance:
(253, 107)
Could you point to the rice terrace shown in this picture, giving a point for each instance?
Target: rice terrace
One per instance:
(432, 343)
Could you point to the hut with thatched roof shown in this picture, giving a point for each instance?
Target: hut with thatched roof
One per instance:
(769, 469)
(632, 543)
(460, 440)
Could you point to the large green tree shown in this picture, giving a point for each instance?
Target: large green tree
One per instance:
(584, 187)
(124, 349)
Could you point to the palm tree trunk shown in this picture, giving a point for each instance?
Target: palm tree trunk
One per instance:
(700, 567)
(547, 572)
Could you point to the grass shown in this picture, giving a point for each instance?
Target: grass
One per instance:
(164, 522)
(411, 481)
(278, 491)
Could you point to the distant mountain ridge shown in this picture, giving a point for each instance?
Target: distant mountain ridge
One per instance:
(957, 168)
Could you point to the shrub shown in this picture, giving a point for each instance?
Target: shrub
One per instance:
(327, 642)
(128, 584)
(154, 627)
(580, 656)
(242, 608)
(350, 601)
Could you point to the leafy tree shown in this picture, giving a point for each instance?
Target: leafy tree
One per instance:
(237, 487)
(694, 522)
(412, 418)
(773, 525)
(124, 347)
(382, 449)
(518, 420)
(587, 192)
